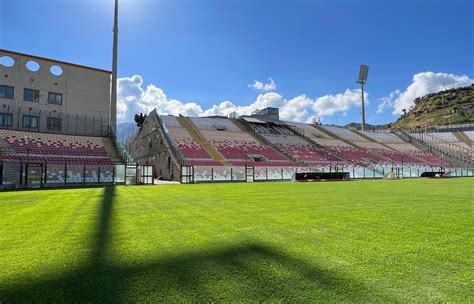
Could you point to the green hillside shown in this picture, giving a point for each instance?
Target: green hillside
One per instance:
(454, 106)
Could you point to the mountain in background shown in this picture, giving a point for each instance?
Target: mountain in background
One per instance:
(368, 127)
(126, 130)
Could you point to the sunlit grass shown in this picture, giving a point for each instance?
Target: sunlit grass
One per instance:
(408, 240)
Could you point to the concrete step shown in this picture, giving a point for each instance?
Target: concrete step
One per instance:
(186, 123)
(109, 147)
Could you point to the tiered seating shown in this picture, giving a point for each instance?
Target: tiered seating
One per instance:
(238, 147)
(383, 137)
(277, 130)
(345, 134)
(297, 147)
(189, 148)
(405, 153)
(446, 142)
(207, 123)
(445, 138)
(53, 148)
(362, 157)
(400, 152)
(240, 150)
(358, 156)
(308, 130)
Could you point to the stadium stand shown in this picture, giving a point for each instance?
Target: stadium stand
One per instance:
(56, 148)
(291, 144)
(218, 148)
(237, 147)
(443, 138)
(189, 148)
(445, 144)
(403, 151)
(346, 143)
(296, 146)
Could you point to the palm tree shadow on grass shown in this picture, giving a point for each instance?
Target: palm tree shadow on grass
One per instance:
(248, 271)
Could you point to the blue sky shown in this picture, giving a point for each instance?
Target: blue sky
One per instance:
(199, 57)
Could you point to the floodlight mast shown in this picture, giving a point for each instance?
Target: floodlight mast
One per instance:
(113, 97)
(363, 73)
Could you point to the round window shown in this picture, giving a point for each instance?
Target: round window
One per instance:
(56, 70)
(33, 66)
(7, 61)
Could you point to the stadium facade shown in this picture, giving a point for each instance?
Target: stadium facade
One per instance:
(44, 95)
(57, 125)
(263, 147)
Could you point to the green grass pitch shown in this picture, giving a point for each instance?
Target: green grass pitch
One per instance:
(359, 241)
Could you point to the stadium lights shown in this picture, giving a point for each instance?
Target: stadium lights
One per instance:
(363, 74)
(113, 97)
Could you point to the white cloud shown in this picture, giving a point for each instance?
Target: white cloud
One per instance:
(422, 84)
(263, 100)
(133, 98)
(264, 87)
(300, 108)
(388, 101)
(330, 104)
(297, 109)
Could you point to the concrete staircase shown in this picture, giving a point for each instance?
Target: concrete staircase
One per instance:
(111, 149)
(245, 127)
(187, 123)
(463, 138)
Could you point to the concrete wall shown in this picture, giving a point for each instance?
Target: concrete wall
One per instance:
(85, 108)
(150, 147)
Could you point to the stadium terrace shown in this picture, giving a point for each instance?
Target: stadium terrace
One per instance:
(261, 147)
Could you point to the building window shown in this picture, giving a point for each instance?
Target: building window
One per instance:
(55, 98)
(54, 123)
(5, 120)
(30, 122)
(6, 92)
(31, 95)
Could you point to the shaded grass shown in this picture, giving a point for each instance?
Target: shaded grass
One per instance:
(358, 241)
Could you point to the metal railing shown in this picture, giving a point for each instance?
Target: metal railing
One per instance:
(202, 174)
(439, 145)
(20, 175)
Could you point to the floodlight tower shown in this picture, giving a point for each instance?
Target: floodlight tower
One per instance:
(113, 96)
(363, 73)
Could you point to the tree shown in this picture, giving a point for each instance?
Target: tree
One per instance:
(140, 119)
